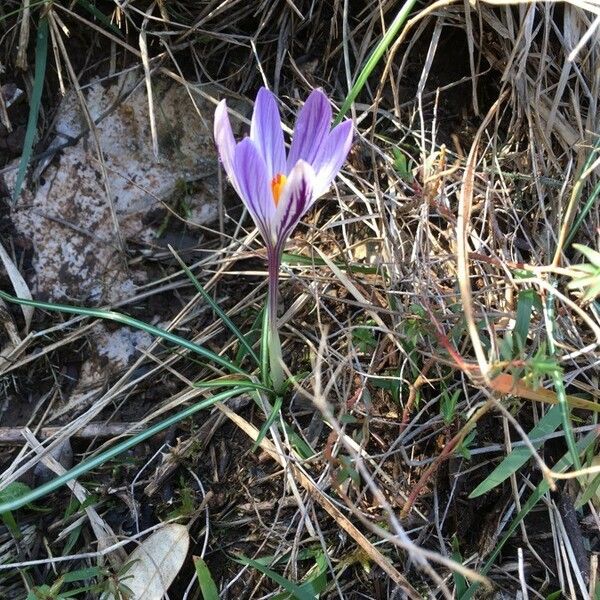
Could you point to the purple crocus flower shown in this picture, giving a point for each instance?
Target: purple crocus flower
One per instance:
(278, 189)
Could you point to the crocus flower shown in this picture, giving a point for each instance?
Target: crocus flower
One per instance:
(276, 188)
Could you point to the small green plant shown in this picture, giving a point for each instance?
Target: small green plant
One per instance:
(391, 383)
(448, 402)
(47, 592)
(364, 338)
(63, 587)
(315, 580)
(414, 329)
(347, 471)
(114, 584)
(74, 507)
(401, 165)
(586, 276)
(187, 501)
(11, 492)
(514, 343)
(540, 366)
(463, 447)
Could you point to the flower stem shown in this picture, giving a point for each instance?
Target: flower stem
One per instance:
(275, 356)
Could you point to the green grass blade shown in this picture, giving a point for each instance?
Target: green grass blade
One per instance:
(519, 456)
(267, 424)
(264, 350)
(109, 315)
(82, 574)
(591, 199)
(72, 539)
(220, 312)
(207, 584)
(252, 336)
(316, 582)
(560, 467)
(219, 383)
(41, 54)
(587, 207)
(375, 57)
(295, 590)
(299, 445)
(558, 383)
(460, 583)
(100, 16)
(525, 301)
(100, 459)
(591, 489)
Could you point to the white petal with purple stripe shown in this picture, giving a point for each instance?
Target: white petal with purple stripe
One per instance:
(225, 141)
(296, 198)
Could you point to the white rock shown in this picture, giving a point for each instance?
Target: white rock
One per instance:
(68, 218)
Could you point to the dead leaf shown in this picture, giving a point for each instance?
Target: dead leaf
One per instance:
(19, 285)
(156, 562)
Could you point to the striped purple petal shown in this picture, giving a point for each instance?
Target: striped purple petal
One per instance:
(225, 141)
(296, 198)
(266, 132)
(254, 185)
(312, 127)
(332, 156)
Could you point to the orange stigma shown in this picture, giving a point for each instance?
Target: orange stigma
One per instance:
(277, 184)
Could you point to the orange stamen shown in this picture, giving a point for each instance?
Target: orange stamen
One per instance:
(277, 184)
